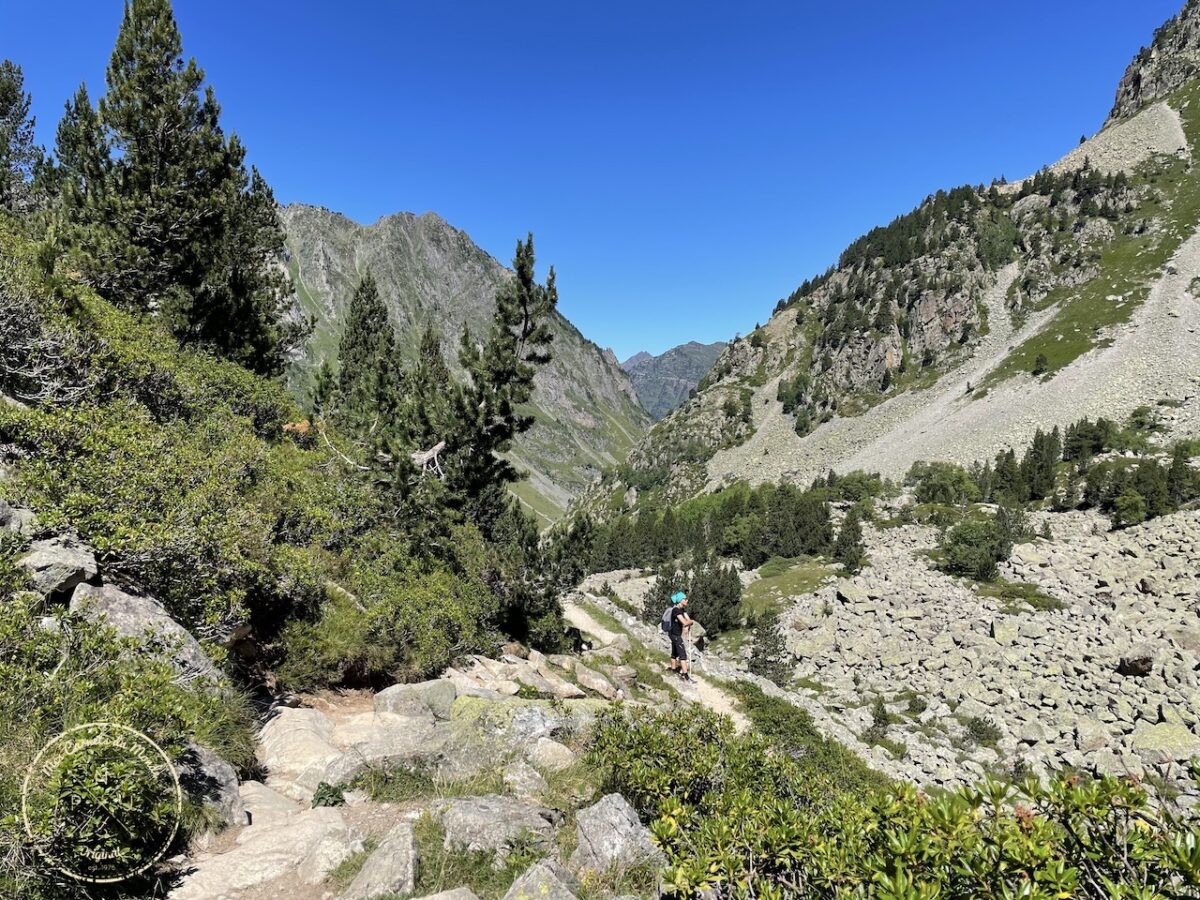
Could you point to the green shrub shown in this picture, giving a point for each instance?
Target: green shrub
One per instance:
(69, 672)
(737, 820)
(983, 730)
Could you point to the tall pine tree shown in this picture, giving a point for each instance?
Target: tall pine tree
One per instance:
(365, 396)
(19, 156)
(500, 379)
(170, 221)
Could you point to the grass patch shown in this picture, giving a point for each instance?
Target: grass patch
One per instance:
(401, 785)
(1018, 597)
(443, 869)
(791, 731)
(779, 580)
(347, 870)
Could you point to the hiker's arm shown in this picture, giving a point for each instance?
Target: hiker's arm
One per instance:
(686, 619)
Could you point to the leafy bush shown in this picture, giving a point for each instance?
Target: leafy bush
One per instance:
(65, 672)
(737, 819)
(939, 482)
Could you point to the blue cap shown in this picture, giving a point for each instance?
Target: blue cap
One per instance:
(678, 597)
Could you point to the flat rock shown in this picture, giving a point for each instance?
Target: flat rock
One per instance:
(310, 845)
(494, 822)
(408, 699)
(1165, 742)
(390, 869)
(264, 807)
(461, 893)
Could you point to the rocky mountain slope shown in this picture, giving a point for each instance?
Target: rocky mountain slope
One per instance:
(664, 382)
(963, 326)
(1171, 60)
(431, 273)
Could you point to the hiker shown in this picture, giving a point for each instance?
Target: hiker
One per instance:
(680, 622)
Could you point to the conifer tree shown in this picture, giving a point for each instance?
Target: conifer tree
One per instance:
(1181, 480)
(500, 373)
(365, 397)
(169, 220)
(849, 549)
(19, 156)
(768, 656)
(428, 414)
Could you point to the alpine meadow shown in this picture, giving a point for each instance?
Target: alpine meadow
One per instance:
(336, 563)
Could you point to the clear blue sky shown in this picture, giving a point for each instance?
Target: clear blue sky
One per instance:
(682, 164)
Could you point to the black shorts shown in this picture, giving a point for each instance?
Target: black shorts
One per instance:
(678, 647)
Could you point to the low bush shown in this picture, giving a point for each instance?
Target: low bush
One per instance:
(736, 818)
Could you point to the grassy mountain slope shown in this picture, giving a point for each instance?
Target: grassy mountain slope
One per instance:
(664, 382)
(431, 273)
(961, 327)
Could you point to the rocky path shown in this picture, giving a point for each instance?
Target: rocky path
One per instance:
(490, 739)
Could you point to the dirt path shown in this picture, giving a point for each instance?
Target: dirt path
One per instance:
(700, 690)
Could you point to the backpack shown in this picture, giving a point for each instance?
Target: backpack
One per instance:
(666, 620)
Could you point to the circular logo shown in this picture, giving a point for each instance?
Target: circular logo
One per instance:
(102, 803)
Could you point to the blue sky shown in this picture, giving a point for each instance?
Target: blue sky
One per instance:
(682, 164)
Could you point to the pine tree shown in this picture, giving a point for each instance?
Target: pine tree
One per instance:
(849, 549)
(365, 397)
(769, 655)
(1181, 480)
(168, 220)
(427, 387)
(19, 156)
(500, 374)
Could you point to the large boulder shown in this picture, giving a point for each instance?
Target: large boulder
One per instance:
(611, 836)
(143, 617)
(409, 699)
(594, 681)
(1165, 742)
(204, 774)
(56, 565)
(461, 893)
(310, 845)
(545, 880)
(494, 823)
(295, 747)
(549, 755)
(390, 869)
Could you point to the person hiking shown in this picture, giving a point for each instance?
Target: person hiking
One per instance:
(680, 623)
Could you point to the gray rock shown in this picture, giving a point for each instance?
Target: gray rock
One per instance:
(544, 881)
(143, 617)
(408, 699)
(204, 774)
(1165, 742)
(549, 755)
(494, 823)
(295, 747)
(524, 780)
(594, 681)
(311, 844)
(461, 893)
(390, 869)
(1138, 662)
(611, 835)
(264, 807)
(17, 520)
(56, 565)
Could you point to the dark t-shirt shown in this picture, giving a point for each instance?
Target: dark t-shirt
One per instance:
(677, 613)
